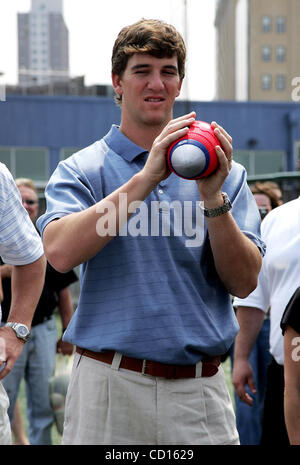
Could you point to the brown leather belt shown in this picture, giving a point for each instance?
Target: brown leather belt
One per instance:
(148, 367)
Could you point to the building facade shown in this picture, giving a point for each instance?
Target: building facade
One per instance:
(43, 44)
(37, 131)
(258, 49)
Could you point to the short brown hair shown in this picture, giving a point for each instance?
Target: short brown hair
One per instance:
(151, 36)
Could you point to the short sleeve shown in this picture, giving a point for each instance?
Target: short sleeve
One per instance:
(69, 190)
(260, 297)
(291, 315)
(20, 243)
(244, 207)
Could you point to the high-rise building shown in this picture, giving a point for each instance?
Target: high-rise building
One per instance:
(43, 44)
(258, 49)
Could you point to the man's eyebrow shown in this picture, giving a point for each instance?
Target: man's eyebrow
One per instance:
(140, 66)
(145, 65)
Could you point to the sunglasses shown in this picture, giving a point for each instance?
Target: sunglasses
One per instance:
(30, 202)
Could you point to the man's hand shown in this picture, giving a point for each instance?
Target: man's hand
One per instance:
(242, 376)
(64, 348)
(210, 186)
(156, 168)
(10, 349)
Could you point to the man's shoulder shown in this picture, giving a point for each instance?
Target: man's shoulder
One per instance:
(285, 210)
(281, 217)
(83, 164)
(8, 189)
(91, 151)
(5, 174)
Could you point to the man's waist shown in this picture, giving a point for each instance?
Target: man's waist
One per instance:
(207, 367)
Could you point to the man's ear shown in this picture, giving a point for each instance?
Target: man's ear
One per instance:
(179, 88)
(117, 84)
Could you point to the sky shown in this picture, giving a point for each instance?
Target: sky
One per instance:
(94, 24)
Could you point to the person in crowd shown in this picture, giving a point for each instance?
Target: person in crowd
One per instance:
(154, 314)
(37, 362)
(20, 246)
(290, 326)
(278, 279)
(268, 195)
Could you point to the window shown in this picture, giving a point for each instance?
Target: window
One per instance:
(266, 53)
(5, 157)
(280, 24)
(26, 162)
(266, 24)
(280, 53)
(269, 162)
(261, 161)
(266, 81)
(280, 82)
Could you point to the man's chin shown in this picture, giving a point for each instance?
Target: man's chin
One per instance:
(157, 120)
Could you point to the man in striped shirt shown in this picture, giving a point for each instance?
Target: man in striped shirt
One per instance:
(21, 247)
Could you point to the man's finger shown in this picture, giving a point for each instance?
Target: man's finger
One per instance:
(222, 130)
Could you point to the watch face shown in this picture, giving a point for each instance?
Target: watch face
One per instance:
(22, 331)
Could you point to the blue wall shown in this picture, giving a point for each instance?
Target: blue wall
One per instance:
(64, 121)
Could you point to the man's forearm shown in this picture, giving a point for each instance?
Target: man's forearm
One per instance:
(27, 284)
(65, 306)
(76, 238)
(250, 320)
(292, 385)
(237, 259)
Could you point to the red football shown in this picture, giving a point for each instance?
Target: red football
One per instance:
(193, 156)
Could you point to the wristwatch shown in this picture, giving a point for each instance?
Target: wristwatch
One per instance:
(21, 330)
(212, 212)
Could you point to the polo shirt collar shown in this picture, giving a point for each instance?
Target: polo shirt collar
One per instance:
(121, 145)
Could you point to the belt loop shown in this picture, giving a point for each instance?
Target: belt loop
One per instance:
(115, 364)
(198, 373)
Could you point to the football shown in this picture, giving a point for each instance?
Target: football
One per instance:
(193, 156)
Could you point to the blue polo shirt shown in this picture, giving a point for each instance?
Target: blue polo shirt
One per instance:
(153, 292)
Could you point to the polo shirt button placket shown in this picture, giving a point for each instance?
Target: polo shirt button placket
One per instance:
(160, 192)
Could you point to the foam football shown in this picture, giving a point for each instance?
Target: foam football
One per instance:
(193, 156)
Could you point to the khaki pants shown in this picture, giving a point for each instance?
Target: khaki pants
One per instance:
(5, 430)
(107, 405)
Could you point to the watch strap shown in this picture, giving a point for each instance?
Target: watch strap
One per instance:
(213, 212)
(15, 326)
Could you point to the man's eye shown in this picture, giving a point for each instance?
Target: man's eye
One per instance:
(170, 73)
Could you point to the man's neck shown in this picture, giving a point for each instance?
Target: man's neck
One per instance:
(142, 135)
(141, 138)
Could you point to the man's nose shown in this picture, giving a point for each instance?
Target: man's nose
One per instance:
(155, 81)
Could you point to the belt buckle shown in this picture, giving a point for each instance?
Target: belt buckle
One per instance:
(144, 367)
